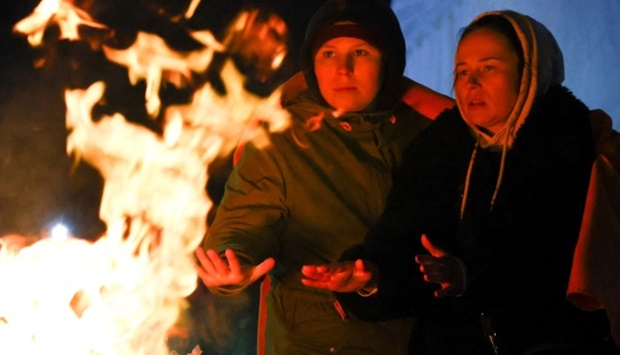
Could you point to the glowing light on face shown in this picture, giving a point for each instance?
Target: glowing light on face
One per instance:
(348, 71)
(122, 293)
(486, 85)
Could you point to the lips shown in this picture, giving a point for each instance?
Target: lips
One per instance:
(345, 88)
(473, 103)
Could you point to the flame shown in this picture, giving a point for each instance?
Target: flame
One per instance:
(149, 56)
(67, 16)
(74, 297)
(258, 38)
(122, 293)
(221, 121)
(191, 8)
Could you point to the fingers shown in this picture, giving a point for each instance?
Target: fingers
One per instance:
(448, 289)
(315, 276)
(263, 268)
(425, 259)
(434, 269)
(205, 261)
(315, 284)
(232, 266)
(446, 271)
(308, 270)
(212, 262)
(340, 277)
(359, 266)
(202, 259)
(445, 290)
(315, 273)
(214, 269)
(426, 243)
(217, 271)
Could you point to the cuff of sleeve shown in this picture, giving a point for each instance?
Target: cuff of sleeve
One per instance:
(367, 293)
(463, 276)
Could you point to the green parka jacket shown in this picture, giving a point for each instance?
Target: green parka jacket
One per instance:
(313, 193)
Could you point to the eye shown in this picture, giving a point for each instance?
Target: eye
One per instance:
(488, 67)
(461, 72)
(328, 54)
(360, 52)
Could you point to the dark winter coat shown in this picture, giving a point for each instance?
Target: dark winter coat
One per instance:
(518, 249)
(518, 254)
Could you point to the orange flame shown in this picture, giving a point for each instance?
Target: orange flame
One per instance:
(66, 15)
(149, 56)
(122, 293)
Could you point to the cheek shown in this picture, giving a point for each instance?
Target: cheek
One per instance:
(374, 80)
(509, 103)
(509, 94)
(320, 73)
(459, 93)
(322, 77)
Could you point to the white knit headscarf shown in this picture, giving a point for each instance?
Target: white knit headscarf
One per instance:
(543, 68)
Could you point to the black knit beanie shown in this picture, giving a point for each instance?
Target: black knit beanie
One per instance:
(370, 20)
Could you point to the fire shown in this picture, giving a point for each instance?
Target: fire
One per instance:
(74, 297)
(149, 57)
(259, 38)
(63, 13)
(123, 292)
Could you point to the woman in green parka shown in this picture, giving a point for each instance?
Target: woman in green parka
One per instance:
(318, 187)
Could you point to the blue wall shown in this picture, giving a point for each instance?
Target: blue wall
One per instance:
(588, 33)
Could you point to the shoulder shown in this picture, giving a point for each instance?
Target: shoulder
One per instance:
(447, 139)
(424, 100)
(560, 123)
(561, 100)
(558, 115)
(420, 98)
(448, 127)
(292, 88)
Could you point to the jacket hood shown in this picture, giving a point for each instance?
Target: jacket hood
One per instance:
(375, 17)
(543, 68)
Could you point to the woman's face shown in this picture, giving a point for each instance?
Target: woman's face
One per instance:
(487, 80)
(348, 71)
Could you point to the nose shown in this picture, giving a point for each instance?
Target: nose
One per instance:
(346, 65)
(473, 79)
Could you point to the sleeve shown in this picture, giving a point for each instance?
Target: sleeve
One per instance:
(594, 282)
(252, 212)
(395, 240)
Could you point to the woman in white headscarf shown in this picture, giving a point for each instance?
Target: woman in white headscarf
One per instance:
(495, 190)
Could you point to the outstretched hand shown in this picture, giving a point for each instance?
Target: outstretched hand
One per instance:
(443, 269)
(216, 271)
(346, 276)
